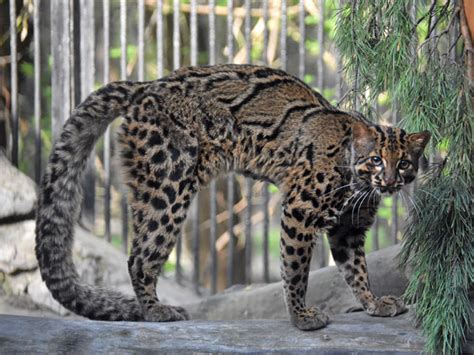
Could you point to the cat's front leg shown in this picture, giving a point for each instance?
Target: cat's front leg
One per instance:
(347, 247)
(296, 247)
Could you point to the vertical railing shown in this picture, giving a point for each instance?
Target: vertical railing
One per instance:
(301, 44)
(230, 177)
(248, 181)
(195, 205)
(123, 76)
(265, 192)
(14, 84)
(106, 79)
(321, 250)
(213, 186)
(394, 207)
(176, 65)
(61, 84)
(141, 40)
(37, 89)
(87, 75)
(159, 37)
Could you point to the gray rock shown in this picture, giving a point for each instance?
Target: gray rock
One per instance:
(17, 193)
(17, 241)
(327, 289)
(97, 262)
(355, 333)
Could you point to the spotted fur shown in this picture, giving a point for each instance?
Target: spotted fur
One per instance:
(179, 133)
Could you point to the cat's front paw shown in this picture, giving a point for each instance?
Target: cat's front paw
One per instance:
(310, 319)
(386, 306)
(165, 313)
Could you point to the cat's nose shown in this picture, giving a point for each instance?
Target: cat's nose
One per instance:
(390, 182)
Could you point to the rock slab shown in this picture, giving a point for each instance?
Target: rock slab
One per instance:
(17, 193)
(355, 333)
(327, 290)
(98, 263)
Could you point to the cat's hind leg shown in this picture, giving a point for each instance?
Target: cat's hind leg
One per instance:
(161, 166)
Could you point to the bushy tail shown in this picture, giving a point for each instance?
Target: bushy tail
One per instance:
(60, 198)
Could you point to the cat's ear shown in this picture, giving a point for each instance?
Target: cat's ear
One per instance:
(362, 138)
(418, 141)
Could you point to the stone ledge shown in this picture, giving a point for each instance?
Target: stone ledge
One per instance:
(354, 333)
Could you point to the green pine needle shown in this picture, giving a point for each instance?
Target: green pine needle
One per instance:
(382, 51)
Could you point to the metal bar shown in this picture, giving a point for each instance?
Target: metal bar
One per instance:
(265, 192)
(301, 44)
(230, 228)
(247, 31)
(213, 187)
(355, 100)
(61, 75)
(230, 36)
(266, 229)
(195, 209)
(193, 34)
(394, 224)
(283, 35)
(213, 232)
(123, 39)
(176, 65)
(320, 79)
(265, 32)
(107, 185)
(159, 37)
(248, 230)
(141, 40)
(123, 76)
(248, 181)
(231, 175)
(14, 83)
(196, 243)
(76, 67)
(87, 73)
(375, 239)
(176, 36)
(375, 226)
(37, 88)
(212, 32)
(320, 84)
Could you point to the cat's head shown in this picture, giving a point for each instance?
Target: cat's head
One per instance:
(385, 157)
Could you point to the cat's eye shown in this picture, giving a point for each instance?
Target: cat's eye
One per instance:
(376, 160)
(403, 164)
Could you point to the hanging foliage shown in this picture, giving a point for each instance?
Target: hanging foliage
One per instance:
(414, 53)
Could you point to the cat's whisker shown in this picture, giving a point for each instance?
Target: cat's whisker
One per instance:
(361, 202)
(354, 206)
(373, 195)
(341, 187)
(360, 206)
(357, 193)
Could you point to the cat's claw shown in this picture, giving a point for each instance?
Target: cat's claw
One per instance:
(386, 306)
(166, 313)
(310, 319)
